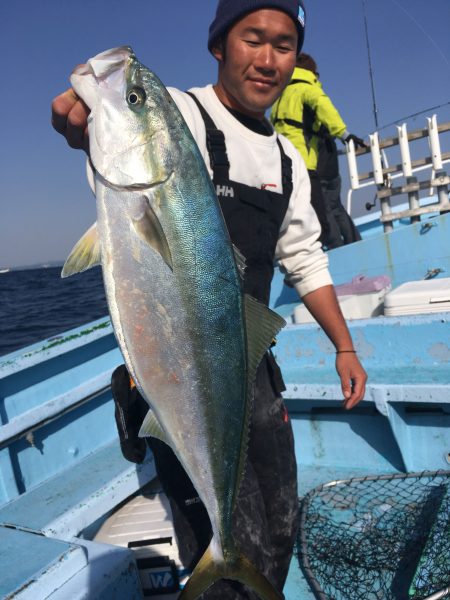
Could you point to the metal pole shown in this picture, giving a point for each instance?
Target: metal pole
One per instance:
(386, 210)
(379, 179)
(442, 192)
(376, 159)
(413, 197)
(352, 165)
(435, 146)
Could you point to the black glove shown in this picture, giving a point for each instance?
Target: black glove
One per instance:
(356, 140)
(130, 410)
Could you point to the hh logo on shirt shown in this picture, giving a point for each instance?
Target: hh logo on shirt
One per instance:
(225, 191)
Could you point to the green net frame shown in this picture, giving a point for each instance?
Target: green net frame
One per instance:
(377, 538)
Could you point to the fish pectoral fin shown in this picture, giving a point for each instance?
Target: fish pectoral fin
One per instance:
(150, 231)
(85, 254)
(151, 428)
(240, 569)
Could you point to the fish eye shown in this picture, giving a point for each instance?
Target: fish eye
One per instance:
(136, 96)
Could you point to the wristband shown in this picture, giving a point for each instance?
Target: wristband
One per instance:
(342, 351)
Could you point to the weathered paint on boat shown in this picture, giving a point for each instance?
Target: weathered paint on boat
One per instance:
(61, 469)
(408, 253)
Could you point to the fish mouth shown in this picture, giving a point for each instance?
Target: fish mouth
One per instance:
(123, 144)
(111, 63)
(114, 140)
(105, 71)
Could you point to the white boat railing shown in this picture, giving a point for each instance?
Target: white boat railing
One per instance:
(383, 175)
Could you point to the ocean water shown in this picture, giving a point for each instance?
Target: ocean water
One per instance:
(36, 304)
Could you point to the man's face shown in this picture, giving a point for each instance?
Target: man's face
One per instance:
(257, 62)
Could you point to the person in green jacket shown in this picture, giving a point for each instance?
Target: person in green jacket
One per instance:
(307, 117)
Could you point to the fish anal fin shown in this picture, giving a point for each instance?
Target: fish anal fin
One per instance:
(149, 229)
(208, 571)
(151, 428)
(85, 254)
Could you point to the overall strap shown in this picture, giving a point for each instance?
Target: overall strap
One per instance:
(292, 122)
(286, 172)
(293, 81)
(215, 143)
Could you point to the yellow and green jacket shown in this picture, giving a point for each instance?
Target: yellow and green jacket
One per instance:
(300, 111)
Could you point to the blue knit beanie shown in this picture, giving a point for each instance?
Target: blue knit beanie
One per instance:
(230, 11)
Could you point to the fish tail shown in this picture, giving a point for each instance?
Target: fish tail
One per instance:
(209, 570)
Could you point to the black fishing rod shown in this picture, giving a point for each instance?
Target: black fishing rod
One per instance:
(370, 205)
(413, 115)
(372, 83)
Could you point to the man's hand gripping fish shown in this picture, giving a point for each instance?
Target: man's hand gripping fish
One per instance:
(190, 338)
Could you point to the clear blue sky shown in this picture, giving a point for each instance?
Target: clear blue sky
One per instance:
(45, 201)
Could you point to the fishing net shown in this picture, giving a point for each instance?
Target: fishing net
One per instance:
(378, 538)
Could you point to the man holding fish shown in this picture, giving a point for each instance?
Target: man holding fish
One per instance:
(264, 193)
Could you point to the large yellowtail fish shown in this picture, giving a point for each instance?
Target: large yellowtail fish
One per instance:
(190, 338)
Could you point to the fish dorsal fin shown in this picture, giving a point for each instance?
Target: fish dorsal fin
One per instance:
(151, 428)
(149, 229)
(262, 325)
(240, 261)
(85, 254)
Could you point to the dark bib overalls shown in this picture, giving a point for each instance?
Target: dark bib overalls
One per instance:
(266, 512)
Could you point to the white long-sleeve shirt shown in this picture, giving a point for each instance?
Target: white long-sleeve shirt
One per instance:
(255, 160)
